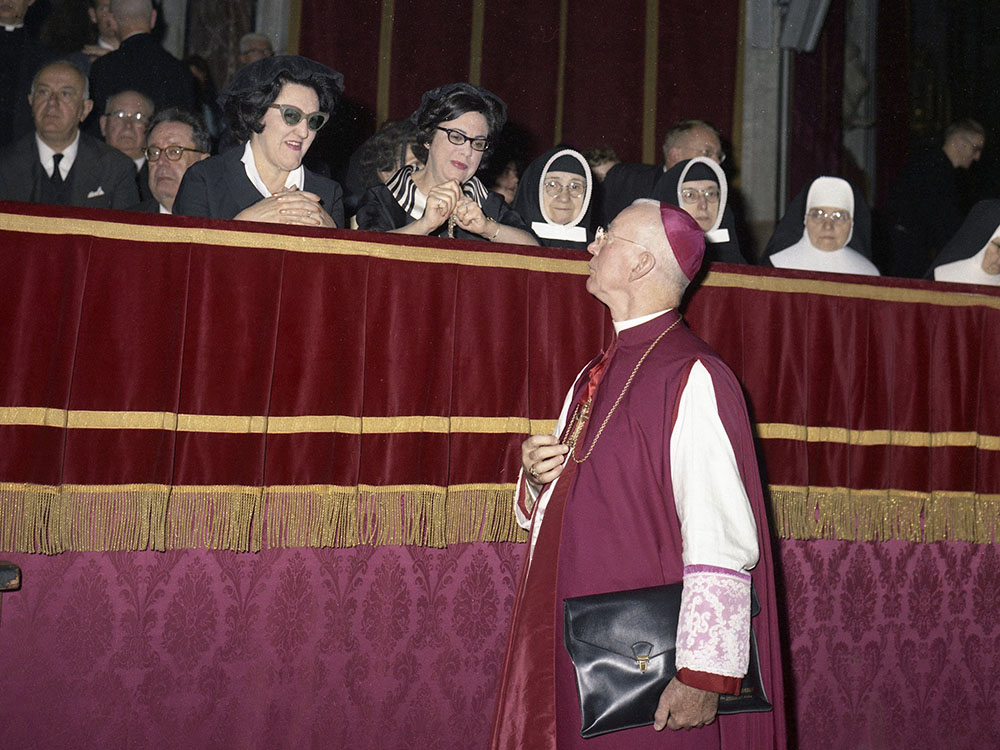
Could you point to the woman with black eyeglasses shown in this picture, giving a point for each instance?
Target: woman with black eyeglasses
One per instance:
(455, 125)
(554, 197)
(274, 107)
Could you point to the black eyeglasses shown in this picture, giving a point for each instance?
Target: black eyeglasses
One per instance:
(293, 116)
(172, 152)
(457, 137)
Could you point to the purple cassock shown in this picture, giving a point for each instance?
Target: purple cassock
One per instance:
(611, 524)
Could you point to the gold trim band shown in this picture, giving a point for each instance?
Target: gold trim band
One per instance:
(259, 240)
(904, 438)
(26, 416)
(347, 247)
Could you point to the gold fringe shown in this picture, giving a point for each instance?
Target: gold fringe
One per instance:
(880, 515)
(50, 520)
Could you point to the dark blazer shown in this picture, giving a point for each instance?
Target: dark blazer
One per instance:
(622, 185)
(141, 64)
(218, 188)
(20, 58)
(101, 177)
(142, 182)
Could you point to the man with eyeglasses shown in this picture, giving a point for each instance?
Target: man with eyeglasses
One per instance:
(177, 139)
(922, 210)
(58, 164)
(649, 479)
(687, 139)
(123, 126)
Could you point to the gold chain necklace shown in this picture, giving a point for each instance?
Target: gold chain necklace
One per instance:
(582, 411)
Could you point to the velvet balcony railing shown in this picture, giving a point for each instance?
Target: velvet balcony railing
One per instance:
(196, 386)
(348, 408)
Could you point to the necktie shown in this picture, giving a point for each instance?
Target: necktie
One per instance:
(56, 177)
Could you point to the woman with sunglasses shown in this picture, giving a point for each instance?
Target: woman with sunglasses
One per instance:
(274, 107)
(455, 125)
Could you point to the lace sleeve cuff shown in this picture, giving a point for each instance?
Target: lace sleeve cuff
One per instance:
(713, 632)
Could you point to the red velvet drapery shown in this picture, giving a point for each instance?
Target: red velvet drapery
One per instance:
(515, 51)
(346, 403)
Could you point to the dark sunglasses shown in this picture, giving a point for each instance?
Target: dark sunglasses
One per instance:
(293, 116)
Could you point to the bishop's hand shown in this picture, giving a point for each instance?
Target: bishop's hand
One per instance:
(542, 458)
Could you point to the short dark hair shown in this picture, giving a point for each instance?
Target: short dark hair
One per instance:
(200, 136)
(454, 101)
(245, 112)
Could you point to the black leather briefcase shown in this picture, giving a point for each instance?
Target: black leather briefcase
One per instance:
(622, 647)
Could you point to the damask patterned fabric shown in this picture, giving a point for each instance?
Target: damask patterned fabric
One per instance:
(890, 646)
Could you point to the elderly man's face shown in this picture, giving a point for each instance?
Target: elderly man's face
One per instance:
(57, 104)
(698, 141)
(614, 255)
(165, 174)
(991, 259)
(12, 11)
(257, 49)
(124, 124)
(970, 149)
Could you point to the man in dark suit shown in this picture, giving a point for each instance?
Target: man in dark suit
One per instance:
(623, 183)
(177, 139)
(140, 63)
(20, 58)
(57, 163)
(124, 125)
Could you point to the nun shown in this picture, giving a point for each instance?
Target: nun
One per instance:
(554, 198)
(827, 229)
(972, 256)
(699, 186)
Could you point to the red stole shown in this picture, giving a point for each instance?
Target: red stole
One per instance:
(525, 712)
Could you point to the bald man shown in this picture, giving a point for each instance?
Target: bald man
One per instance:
(650, 478)
(57, 164)
(140, 63)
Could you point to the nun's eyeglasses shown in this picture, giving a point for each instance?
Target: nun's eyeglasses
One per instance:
(690, 195)
(836, 217)
(292, 116)
(457, 137)
(575, 189)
